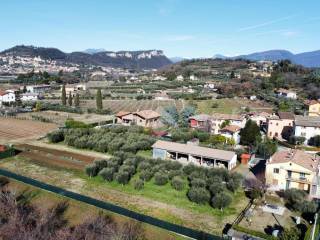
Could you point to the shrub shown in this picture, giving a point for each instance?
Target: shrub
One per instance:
(161, 178)
(138, 184)
(101, 164)
(199, 195)
(221, 200)
(56, 136)
(177, 183)
(216, 187)
(198, 183)
(144, 165)
(199, 174)
(107, 174)
(129, 169)
(188, 169)
(171, 165)
(91, 170)
(122, 177)
(234, 182)
(174, 173)
(146, 175)
(315, 141)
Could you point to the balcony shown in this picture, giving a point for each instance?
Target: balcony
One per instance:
(297, 179)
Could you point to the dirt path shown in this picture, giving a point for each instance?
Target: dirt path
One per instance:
(70, 149)
(70, 181)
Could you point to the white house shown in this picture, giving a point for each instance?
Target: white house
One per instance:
(7, 97)
(193, 78)
(231, 132)
(307, 127)
(38, 88)
(286, 93)
(180, 78)
(29, 97)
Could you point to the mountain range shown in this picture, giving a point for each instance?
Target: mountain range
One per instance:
(148, 59)
(307, 59)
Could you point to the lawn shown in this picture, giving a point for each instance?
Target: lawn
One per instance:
(78, 212)
(158, 201)
(230, 106)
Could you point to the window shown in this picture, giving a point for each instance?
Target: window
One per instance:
(276, 170)
(302, 176)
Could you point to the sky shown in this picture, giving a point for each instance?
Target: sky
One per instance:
(184, 28)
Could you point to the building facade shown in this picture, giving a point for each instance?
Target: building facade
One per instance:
(307, 127)
(293, 169)
(192, 154)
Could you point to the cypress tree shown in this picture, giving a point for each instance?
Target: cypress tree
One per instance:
(70, 99)
(77, 100)
(63, 95)
(99, 99)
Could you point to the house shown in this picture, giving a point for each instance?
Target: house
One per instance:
(232, 119)
(38, 88)
(293, 169)
(260, 118)
(200, 122)
(313, 107)
(7, 97)
(29, 97)
(232, 132)
(74, 88)
(200, 156)
(281, 125)
(193, 78)
(180, 78)
(212, 124)
(144, 118)
(307, 127)
(286, 93)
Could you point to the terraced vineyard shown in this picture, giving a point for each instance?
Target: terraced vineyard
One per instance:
(134, 105)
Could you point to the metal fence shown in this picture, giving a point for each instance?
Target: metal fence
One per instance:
(195, 234)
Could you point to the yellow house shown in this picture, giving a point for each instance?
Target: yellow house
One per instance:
(313, 107)
(293, 169)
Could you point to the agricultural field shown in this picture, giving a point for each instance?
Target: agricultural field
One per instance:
(12, 129)
(158, 201)
(77, 212)
(130, 105)
(53, 157)
(231, 106)
(134, 105)
(60, 117)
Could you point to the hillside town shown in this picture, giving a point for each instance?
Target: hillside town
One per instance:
(188, 120)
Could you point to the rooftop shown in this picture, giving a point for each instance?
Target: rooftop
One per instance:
(230, 128)
(306, 160)
(200, 117)
(286, 115)
(307, 121)
(148, 114)
(195, 150)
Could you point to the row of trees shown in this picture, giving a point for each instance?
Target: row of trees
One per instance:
(76, 99)
(204, 186)
(128, 139)
(21, 220)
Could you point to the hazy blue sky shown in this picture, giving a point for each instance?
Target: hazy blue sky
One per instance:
(188, 28)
